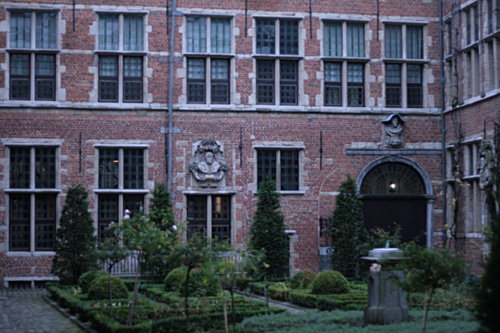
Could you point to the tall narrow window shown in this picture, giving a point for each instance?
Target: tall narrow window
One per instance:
(196, 80)
(288, 82)
(108, 79)
(333, 83)
(393, 85)
(414, 85)
(265, 82)
(393, 41)
(220, 81)
(45, 76)
(333, 39)
(132, 79)
(355, 84)
(355, 40)
(20, 76)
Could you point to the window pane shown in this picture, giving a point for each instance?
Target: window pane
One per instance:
(108, 78)
(288, 82)
(355, 40)
(45, 77)
(220, 81)
(196, 80)
(19, 222)
(20, 76)
(45, 168)
(220, 69)
(355, 73)
(266, 165)
(196, 215)
(134, 203)
(132, 79)
(393, 73)
(196, 35)
(289, 170)
(393, 41)
(333, 78)
(133, 168)
(355, 85)
(45, 221)
(333, 39)
(221, 217)
(107, 213)
(414, 42)
(108, 66)
(333, 71)
(265, 36)
(20, 30)
(414, 74)
(220, 30)
(265, 81)
(108, 168)
(19, 167)
(414, 92)
(196, 69)
(46, 30)
(108, 32)
(393, 85)
(289, 37)
(133, 33)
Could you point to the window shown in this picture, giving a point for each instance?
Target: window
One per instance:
(32, 198)
(278, 73)
(208, 72)
(472, 209)
(280, 165)
(121, 53)
(343, 65)
(210, 216)
(404, 65)
(121, 185)
(33, 55)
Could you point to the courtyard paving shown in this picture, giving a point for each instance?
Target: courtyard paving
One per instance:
(25, 311)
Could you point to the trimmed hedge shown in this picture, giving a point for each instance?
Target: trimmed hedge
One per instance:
(330, 282)
(99, 288)
(302, 279)
(201, 282)
(86, 279)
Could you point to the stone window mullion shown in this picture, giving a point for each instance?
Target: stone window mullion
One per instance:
(121, 184)
(32, 222)
(344, 83)
(278, 170)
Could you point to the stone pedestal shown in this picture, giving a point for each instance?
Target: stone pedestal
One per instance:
(387, 301)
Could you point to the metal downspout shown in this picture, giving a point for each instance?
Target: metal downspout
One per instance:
(442, 82)
(170, 114)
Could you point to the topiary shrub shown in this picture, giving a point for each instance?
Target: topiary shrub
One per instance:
(201, 282)
(99, 288)
(86, 279)
(330, 282)
(302, 279)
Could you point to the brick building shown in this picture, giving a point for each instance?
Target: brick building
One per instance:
(303, 92)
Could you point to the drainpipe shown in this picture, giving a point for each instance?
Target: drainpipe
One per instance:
(442, 82)
(170, 112)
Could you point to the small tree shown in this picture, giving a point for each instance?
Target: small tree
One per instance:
(267, 232)
(75, 240)
(348, 233)
(429, 269)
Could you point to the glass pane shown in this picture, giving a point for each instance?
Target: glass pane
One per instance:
(46, 30)
(19, 167)
(333, 39)
(107, 214)
(45, 221)
(108, 168)
(355, 95)
(220, 69)
(355, 73)
(196, 215)
(333, 71)
(132, 67)
(414, 73)
(133, 168)
(108, 32)
(108, 66)
(289, 37)
(355, 40)
(393, 73)
(196, 69)
(288, 70)
(288, 84)
(134, 203)
(265, 36)
(333, 94)
(196, 34)
(19, 222)
(220, 30)
(133, 33)
(393, 41)
(266, 165)
(265, 69)
(289, 170)
(265, 81)
(45, 65)
(45, 167)
(20, 64)
(20, 30)
(221, 217)
(414, 42)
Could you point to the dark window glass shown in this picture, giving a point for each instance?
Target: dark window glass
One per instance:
(108, 212)
(19, 222)
(108, 78)
(266, 165)
(196, 215)
(221, 217)
(414, 82)
(45, 168)
(393, 41)
(414, 42)
(265, 81)
(332, 39)
(220, 81)
(196, 80)
(19, 167)
(132, 79)
(134, 203)
(355, 85)
(266, 35)
(45, 77)
(20, 76)
(288, 82)
(108, 168)
(468, 26)
(393, 85)
(45, 221)
(289, 37)
(333, 82)
(289, 170)
(133, 168)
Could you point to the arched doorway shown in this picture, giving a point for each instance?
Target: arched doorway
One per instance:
(396, 192)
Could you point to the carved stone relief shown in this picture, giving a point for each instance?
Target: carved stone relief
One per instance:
(208, 165)
(486, 164)
(393, 131)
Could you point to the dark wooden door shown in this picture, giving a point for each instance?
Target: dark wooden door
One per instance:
(410, 213)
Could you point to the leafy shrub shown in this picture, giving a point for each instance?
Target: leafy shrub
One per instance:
(302, 298)
(86, 279)
(279, 291)
(99, 288)
(201, 282)
(330, 282)
(302, 279)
